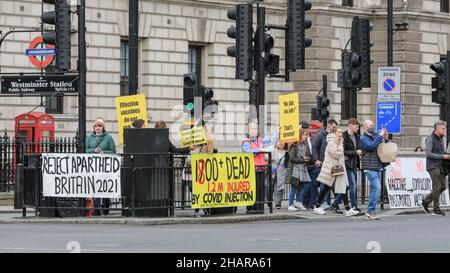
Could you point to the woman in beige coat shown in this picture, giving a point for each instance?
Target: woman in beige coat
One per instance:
(334, 155)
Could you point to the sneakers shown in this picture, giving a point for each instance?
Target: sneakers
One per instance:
(319, 211)
(196, 214)
(438, 212)
(351, 212)
(357, 209)
(325, 206)
(300, 206)
(336, 209)
(292, 208)
(425, 206)
(372, 216)
(277, 206)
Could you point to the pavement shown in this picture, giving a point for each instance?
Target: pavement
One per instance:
(9, 215)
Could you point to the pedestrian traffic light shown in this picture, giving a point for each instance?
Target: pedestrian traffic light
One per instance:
(243, 33)
(209, 106)
(61, 36)
(189, 91)
(271, 61)
(320, 112)
(441, 82)
(349, 75)
(361, 45)
(297, 40)
(322, 105)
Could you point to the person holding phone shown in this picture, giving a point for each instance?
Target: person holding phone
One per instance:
(371, 163)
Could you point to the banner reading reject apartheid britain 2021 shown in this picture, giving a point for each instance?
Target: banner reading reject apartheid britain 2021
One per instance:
(81, 175)
(223, 180)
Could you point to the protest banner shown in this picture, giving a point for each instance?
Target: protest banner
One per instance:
(194, 136)
(223, 180)
(81, 175)
(408, 182)
(289, 117)
(129, 109)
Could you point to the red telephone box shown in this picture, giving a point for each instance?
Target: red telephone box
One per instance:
(35, 127)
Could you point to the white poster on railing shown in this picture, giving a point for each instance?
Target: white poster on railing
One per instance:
(408, 182)
(81, 175)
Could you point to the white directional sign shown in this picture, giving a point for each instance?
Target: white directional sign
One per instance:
(388, 84)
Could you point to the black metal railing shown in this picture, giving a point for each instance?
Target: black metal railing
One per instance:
(12, 151)
(152, 185)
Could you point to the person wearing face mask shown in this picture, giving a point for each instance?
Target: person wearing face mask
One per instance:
(99, 142)
(371, 163)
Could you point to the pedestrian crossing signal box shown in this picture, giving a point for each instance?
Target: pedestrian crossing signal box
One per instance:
(34, 127)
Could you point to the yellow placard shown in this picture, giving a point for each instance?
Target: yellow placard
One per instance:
(289, 118)
(223, 180)
(194, 136)
(129, 109)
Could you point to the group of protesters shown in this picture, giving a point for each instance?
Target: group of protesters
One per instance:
(314, 165)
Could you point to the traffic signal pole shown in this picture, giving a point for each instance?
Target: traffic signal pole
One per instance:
(325, 94)
(261, 75)
(133, 46)
(82, 76)
(390, 43)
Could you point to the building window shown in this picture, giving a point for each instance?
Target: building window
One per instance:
(445, 6)
(124, 69)
(195, 61)
(54, 104)
(348, 3)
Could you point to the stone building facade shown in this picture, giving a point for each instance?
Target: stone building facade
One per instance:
(177, 36)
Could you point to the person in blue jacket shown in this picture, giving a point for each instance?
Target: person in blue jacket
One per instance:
(371, 163)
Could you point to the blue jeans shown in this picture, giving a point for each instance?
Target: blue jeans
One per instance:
(304, 189)
(327, 197)
(293, 191)
(351, 174)
(375, 189)
(313, 173)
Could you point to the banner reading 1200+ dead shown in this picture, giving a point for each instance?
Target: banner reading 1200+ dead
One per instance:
(223, 180)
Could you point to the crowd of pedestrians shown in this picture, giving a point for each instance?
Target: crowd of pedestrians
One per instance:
(314, 166)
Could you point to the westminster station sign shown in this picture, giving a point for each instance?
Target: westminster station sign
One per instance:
(38, 84)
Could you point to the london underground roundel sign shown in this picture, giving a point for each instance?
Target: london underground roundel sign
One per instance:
(45, 60)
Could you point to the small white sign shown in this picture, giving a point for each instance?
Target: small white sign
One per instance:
(81, 175)
(388, 84)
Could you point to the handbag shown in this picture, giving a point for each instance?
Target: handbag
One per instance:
(387, 152)
(337, 170)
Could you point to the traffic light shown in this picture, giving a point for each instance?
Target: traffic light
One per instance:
(321, 112)
(209, 106)
(441, 82)
(190, 87)
(271, 61)
(243, 33)
(349, 75)
(297, 40)
(61, 36)
(361, 45)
